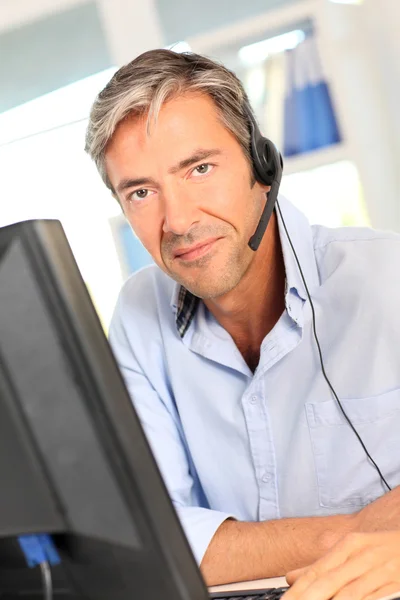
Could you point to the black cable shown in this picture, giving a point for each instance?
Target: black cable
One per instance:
(322, 362)
(47, 581)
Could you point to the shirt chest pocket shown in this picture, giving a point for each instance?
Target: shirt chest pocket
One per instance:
(346, 478)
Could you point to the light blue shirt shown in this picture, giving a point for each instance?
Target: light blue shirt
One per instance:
(274, 443)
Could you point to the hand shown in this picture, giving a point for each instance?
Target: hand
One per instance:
(362, 566)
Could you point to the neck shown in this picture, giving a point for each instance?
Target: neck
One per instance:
(253, 307)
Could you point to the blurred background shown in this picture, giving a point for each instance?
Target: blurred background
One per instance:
(322, 76)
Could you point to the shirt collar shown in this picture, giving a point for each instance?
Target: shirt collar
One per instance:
(184, 303)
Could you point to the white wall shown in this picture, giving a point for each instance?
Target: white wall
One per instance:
(365, 89)
(383, 24)
(131, 27)
(14, 13)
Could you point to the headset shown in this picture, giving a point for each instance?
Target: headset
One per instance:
(268, 167)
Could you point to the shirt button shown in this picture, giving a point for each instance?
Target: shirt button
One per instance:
(254, 399)
(266, 477)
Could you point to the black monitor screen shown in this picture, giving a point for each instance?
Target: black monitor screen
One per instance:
(74, 461)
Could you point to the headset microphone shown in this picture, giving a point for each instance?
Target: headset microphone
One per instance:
(268, 166)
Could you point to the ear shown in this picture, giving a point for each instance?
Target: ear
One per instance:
(264, 188)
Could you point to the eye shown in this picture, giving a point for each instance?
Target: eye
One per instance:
(139, 194)
(202, 169)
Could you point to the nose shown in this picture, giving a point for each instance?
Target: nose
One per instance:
(180, 212)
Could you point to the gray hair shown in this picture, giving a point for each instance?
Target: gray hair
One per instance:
(143, 85)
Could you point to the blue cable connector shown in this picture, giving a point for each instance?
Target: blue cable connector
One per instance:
(38, 548)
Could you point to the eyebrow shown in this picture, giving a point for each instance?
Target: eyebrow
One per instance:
(197, 156)
(125, 184)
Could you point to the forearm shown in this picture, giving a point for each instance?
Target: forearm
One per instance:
(243, 551)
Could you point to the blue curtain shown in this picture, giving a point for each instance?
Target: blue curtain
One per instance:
(309, 118)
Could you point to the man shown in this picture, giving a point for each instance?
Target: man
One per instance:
(216, 341)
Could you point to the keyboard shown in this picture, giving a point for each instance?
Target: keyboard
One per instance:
(267, 594)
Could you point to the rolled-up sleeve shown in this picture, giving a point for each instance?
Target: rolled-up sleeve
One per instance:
(163, 431)
(200, 525)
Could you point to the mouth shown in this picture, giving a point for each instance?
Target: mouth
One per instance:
(196, 251)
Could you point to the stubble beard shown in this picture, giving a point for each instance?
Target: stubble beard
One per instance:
(207, 280)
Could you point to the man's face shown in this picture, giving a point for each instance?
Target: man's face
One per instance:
(186, 189)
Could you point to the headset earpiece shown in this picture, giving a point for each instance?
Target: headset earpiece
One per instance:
(267, 161)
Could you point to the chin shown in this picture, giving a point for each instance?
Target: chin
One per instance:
(209, 277)
(208, 288)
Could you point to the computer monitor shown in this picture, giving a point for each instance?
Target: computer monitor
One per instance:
(74, 461)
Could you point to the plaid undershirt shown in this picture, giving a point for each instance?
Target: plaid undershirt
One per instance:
(186, 309)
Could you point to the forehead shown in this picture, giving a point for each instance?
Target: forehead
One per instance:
(190, 120)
